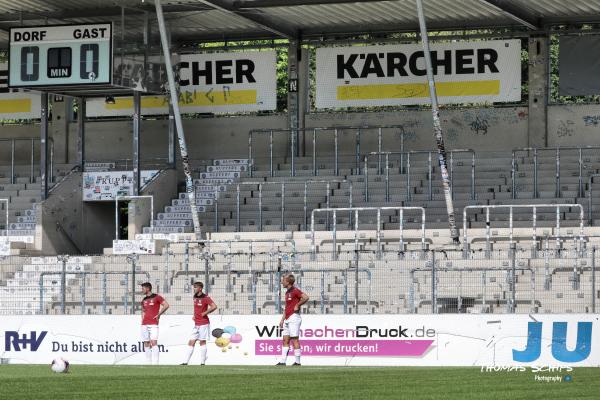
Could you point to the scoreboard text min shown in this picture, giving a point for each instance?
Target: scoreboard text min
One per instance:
(62, 55)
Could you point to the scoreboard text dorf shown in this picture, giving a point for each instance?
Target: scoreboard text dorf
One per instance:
(63, 55)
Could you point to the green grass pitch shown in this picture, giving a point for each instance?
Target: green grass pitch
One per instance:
(237, 382)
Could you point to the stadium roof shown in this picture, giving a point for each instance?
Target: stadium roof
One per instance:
(193, 21)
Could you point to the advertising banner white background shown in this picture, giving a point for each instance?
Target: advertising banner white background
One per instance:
(209, 83)
(465, 72)
(17, 104)
(348, 340)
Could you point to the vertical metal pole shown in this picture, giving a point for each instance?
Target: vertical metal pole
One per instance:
(172, 153)
(12, 161)
(488, 243)
(237, 207)
(133, 287)
(535, 174)
(283, 206)
(557, 172)
(451, 173)
(293, 152)
(594, 279)
(104, 292)
(387, 177)
(251, 166)
(590, 203)
(513, 176)
(178, 123)
(334, 234)
(43, 147)
(322, 291)
(32, 161)
(314, 151)
(137, 110)
(358, 150)
(580, 173)
(401, 244)
(513, 250)
(437, 127)
(367, 178)
(433, 285)
(473, 177)
(378, 233)
(335, 140)
(82, 293)
(356, 286)
(271, 152)
(216, 211)
(350, 203)
(63, 286)
(328, 190)
(305, 206)
(260, 224)
(408, 188)
(379, 149)
(430, 176)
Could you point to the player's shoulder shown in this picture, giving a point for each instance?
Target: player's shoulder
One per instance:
(297, 290)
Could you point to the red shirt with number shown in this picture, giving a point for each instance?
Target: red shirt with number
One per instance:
(292, 298)
(201, 304)
(151, 308)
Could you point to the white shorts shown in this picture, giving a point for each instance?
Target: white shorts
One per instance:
(149, 332)
(291, 326)
(200, 332)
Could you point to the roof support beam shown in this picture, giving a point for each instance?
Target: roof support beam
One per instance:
(514, 12)
(255, 16)
(286, 3)
(114, 11)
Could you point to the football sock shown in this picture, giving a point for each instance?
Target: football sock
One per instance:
(202, 354)
(188, 356)
(297, 354)
(155, 355)
(284, 354)
(148, 355)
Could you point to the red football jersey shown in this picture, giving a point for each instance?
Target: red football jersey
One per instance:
(201, 304)
(151, 308)
(292, 298)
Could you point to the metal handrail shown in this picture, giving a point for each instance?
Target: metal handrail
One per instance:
(32, 157)
(283, 185)
(557, 150)
(333, 129)
(356, 210)
(408, 171)
(328, 196)
(63, 274)
(511, 207)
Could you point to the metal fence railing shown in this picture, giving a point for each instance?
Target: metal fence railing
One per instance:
(332, 133)
(367, 280)
(535, 209)
(558, 152)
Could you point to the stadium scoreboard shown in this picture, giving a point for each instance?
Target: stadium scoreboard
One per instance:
(61, 55)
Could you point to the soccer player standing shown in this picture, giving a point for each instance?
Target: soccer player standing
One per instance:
(203, 305)
(153, 306)
(291, 320)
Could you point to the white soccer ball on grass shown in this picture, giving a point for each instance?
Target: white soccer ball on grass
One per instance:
(60, 365)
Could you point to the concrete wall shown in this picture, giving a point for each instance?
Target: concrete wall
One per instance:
(483, 129)
(68, 225)
(576, 125)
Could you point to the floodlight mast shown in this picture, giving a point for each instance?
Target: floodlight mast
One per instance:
(437, 126)
(189, 182)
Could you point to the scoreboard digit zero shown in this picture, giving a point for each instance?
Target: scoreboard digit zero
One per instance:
(62, 55)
